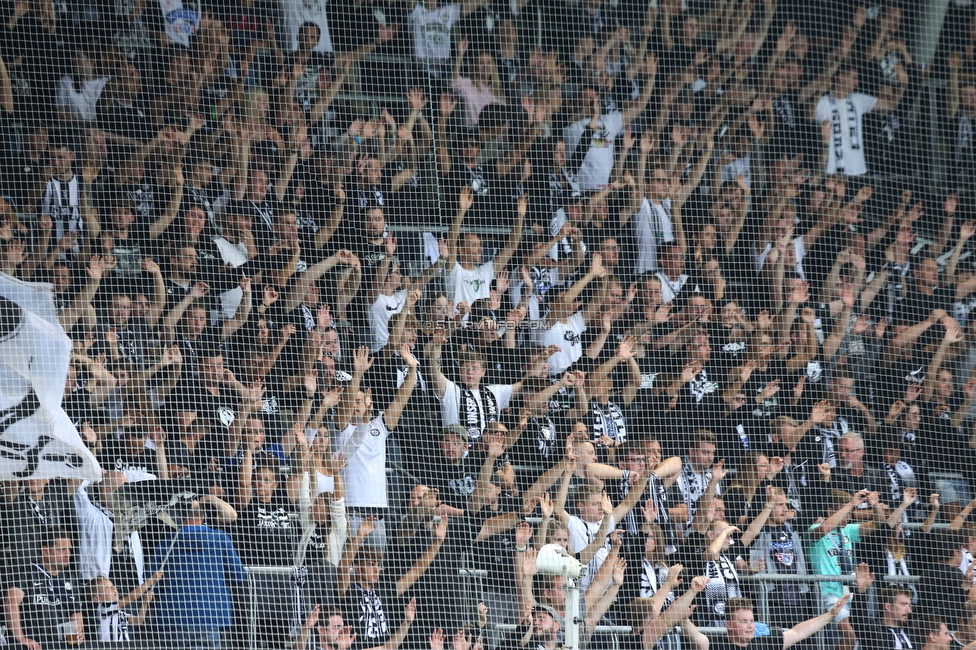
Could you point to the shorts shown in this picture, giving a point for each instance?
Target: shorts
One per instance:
(830, 601)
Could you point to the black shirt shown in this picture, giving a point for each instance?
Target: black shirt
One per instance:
(369, 612)
(117, 457)
(216, 411)
(772, 642)
(49, 601)
(265, 534)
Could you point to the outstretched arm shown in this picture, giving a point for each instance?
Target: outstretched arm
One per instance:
(514, 238)
(392, 415)
(423, 563)
(808, 628)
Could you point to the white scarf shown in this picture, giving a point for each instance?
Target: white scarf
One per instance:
(837, 126)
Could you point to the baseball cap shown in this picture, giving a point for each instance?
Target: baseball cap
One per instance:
(455, 430)
(545, 609)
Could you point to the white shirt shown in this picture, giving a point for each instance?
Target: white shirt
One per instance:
(181, 21)
(451, 402)
(670, 288)
(432, 30)
(651, 224)
(468, 286)
(566, 336)
(297, 12)
(365, 474)
(846, 151)
(594, 173)
(81, 103)
(581, 533)
(96, 530)
(384, 309)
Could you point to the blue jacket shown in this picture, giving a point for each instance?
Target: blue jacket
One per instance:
(194, 592)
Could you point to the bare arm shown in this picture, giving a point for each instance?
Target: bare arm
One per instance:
(502, 258)
(420, 567)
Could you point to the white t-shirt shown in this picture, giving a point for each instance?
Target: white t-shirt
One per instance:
(594, 173)
(468, 286)
(365, 474)
(846, 151)
(451, 406)
(297, 12)
(384, 309)
(81, 103)
(432, 30)
(670, 288)
(181, 20)
(95, 535)
(566, 336)
(652, 226)
(581, 533)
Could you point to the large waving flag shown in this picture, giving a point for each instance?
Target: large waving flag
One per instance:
(37, 439)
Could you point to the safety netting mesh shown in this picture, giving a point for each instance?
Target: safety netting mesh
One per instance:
(366, 324)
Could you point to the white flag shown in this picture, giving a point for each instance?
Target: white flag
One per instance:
(37, 439)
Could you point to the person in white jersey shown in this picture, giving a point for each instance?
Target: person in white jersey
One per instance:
(363, 441)
(657, 205)
(568, 317)
(845, 109)
(470, 278)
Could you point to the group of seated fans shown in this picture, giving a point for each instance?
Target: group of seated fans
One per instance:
(370, 302)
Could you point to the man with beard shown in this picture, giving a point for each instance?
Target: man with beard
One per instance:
(890, 631)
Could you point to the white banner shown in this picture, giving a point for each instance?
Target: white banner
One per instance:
(37, 439)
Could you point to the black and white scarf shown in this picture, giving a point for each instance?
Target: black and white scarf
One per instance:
(608, 420)
(476, 413)
(651, 578)
(851, 121)
(902, 640)
(113, 623)
(372, 618)
(692, 485)
(61, 202)
(723, 584)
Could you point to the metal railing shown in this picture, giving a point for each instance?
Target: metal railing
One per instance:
(615, 630)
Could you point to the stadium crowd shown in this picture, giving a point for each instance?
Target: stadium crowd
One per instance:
(387, 297)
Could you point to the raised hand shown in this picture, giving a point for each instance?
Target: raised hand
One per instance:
(366, 527)
(199, 290)
(863, 577)
(436, 639)
(361, 361)
(440, 530)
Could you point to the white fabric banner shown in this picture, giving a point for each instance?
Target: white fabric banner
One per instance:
(37, 439)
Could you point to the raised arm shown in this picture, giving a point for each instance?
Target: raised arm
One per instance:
(423, 563)
(514, 238)
(392, 415)
(361, 363)
(808, 628)
(757, 524)
(633, 109)
(465, 201)
(343, 580)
